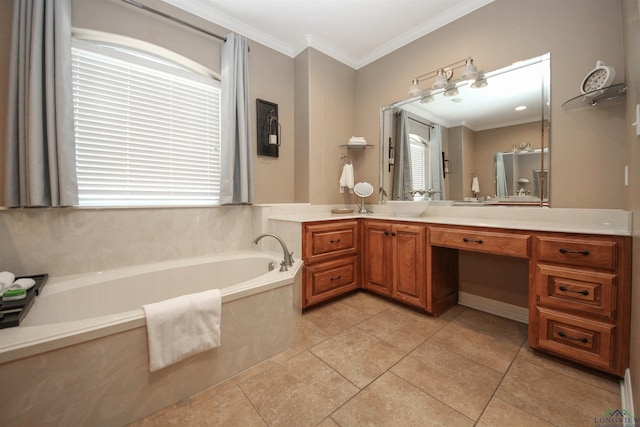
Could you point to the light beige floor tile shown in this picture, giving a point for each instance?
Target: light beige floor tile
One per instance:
(328, 422)
(357, 355)
(366, 303)
(402, 329)
(168, 416)
(490, 340)
(299, 392)
(335, 317)
(307, 335)
(463, 384)
(391, 401)
(231, 382)
(554, 397)
(229, 409)
(569, 369)
(501, 414)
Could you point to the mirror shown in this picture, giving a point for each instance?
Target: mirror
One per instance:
(451, 144)
(363, 190)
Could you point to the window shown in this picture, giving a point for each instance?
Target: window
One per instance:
(418, 149)
(147, 130)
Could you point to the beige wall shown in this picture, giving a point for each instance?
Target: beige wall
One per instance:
(302, 120)
(587, 147)
(631, 14)
(331, 118)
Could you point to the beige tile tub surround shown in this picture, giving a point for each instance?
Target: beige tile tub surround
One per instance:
(107, 381)
(417, 380)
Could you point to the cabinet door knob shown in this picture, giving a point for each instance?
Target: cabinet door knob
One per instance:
(563, 335)
(565, 289)
(393, 233)
(567, 251)
(386, 233)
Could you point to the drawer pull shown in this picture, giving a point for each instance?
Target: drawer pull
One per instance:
(335, 241)
(333, 279)
(566, 251)
(563, 335)
(479, 241)
(564, 289)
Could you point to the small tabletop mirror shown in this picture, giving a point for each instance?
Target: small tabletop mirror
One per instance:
(362, 190)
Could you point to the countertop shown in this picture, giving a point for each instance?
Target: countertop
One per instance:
(588, 221)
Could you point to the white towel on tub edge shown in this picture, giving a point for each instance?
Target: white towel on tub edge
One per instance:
(183, 326)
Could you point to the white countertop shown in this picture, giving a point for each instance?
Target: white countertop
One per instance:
(589, 221)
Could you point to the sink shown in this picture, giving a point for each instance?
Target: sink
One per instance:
(407, 208)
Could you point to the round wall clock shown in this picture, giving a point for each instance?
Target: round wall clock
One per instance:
(600, 77)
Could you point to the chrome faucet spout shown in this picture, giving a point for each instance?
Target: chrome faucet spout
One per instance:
(288, 256)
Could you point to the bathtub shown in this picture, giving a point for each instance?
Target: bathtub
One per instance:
(80, 357)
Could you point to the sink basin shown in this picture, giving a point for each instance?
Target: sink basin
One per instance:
(407, 209)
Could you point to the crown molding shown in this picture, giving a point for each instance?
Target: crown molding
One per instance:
(202, 10)
(234, 25)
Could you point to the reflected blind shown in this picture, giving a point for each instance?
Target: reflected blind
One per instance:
(418, 155)
(147, 132)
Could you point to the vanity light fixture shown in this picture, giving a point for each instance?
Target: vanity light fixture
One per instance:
(451, 90)
(479, 82)
(521, 108)
(442, 78)
(427, 98)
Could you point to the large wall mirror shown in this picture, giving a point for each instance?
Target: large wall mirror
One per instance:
(488, 143)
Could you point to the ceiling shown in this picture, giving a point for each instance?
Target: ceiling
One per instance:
(354, 32)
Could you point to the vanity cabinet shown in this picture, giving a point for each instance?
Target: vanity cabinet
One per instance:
(330, 251)
(394, 260)
(579, 299)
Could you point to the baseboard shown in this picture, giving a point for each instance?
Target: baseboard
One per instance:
(502, 309)
(626, 396)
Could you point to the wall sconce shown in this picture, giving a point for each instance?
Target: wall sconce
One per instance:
(523, 147)
(269, 135)
(442, 79)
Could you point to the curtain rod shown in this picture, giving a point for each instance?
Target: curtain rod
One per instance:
(171, 18)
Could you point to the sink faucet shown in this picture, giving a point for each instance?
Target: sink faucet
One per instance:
(288, 256)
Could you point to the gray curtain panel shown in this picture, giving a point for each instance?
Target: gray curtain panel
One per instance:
(40, 153)
(402, 178)
(236, 155)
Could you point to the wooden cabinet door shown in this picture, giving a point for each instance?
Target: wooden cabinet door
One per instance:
(376, 259)
(409, 263)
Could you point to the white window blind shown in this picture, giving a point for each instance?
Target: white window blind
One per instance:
(418, 152)
(147, 132)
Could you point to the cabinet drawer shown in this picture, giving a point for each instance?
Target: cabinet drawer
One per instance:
(516, 245)
(595, 253)
(330, 279)
(326, 240)
(580, 339)
(582, 291)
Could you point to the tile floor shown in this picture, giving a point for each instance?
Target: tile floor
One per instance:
(363, 361)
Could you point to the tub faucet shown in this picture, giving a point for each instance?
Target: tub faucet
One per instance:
(288, 256)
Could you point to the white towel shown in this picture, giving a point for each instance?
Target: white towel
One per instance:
(181, 327)
(475, 185)
(357, 140)
(346, 179)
